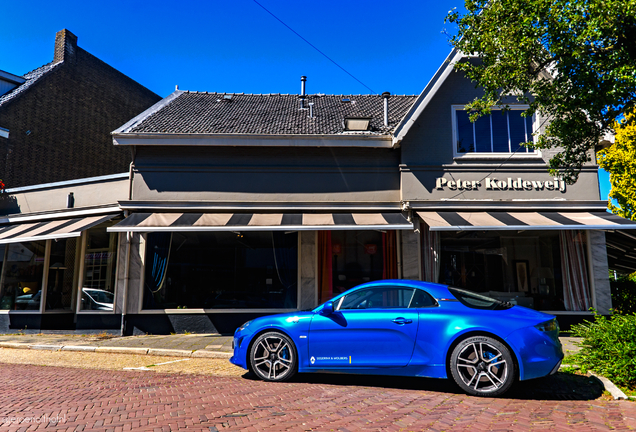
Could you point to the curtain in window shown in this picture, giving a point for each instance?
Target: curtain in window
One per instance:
(157, 256)
(430, 254)
(286, 262)
(325, 278)
(576, 287)
(389, 255)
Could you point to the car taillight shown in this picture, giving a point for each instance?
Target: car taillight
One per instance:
(548, 326)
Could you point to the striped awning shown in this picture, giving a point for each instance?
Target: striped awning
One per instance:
(51, 229)
(502, 220)
(148, 222)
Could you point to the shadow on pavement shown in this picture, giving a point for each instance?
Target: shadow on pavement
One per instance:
(561, 386)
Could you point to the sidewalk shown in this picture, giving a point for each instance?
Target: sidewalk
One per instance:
(180, 345)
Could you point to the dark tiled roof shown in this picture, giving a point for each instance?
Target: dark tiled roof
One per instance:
(31, 78)
(276, 114)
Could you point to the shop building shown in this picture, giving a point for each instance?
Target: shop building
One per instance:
(242, 205)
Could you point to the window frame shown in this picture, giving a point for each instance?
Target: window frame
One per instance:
(535, 154)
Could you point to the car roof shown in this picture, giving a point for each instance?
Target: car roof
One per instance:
(436, 290)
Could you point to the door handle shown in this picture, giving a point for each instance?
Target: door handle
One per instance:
(402, 321)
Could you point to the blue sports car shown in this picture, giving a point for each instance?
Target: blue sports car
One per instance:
(409, 328)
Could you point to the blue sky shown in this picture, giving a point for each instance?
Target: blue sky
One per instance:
(236, 46)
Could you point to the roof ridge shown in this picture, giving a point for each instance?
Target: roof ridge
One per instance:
(31, 77)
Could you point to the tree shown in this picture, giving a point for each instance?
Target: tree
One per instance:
(620, 161)
(572, 62)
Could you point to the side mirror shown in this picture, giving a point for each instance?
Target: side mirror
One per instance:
(327, 308)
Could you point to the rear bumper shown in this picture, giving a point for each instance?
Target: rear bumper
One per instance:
(539, 353)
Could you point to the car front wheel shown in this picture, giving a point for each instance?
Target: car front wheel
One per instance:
(273, 357)
(482, 366)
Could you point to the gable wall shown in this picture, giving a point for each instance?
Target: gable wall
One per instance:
(427, 154)
(60, 127)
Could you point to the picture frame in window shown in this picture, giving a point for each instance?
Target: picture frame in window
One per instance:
(522, 275)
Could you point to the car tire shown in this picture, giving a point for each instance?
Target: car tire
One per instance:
(273, 357)
(482, 366)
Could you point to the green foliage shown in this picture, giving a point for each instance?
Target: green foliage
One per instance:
(624, 293)
(573, 63)
(620, 161)
(609, 347)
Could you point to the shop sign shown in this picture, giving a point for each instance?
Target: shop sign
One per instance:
(492, 183)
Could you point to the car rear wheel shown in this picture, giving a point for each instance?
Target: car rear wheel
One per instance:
(482, 366)
(273, 357)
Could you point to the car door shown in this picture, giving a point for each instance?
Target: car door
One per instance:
(370, 327)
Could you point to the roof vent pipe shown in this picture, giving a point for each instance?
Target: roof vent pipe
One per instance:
(303, 79)
(311, 109)
(386, 95)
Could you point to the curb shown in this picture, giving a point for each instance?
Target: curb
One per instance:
(161, 352)
(610, 387)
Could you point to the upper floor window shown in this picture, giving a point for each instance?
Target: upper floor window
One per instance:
(499, 132)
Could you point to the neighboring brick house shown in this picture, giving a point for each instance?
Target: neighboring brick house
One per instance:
(55, 121)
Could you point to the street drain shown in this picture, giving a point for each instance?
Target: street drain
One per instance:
(236, 415)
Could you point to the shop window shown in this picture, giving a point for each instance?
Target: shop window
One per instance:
(357, 257)
(62, 275)
(225, 270)
(100, 264)
(499, 132)
(21, 276)
(525, 269)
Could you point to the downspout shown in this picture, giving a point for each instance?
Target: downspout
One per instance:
(124, 306)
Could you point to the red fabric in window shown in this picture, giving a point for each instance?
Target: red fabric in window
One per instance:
(325, 266)
(389, 255)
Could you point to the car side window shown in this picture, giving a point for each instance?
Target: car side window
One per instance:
(379, 298)
(421, 299)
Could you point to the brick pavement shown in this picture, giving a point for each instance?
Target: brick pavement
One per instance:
(74, 400)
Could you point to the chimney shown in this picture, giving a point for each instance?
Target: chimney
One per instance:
(386, 95)
(311, 109)
(65, 46)
(303, 79)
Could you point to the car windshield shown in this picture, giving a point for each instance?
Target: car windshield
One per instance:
(477, 301)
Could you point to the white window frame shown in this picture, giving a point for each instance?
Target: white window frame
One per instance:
(535, 154)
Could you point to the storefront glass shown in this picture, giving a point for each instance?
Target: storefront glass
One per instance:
(21, 276)
(62, 275)
(525, 268)
(357, 257)
(224, 270)
(100, 265)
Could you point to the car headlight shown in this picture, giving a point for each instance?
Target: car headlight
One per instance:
(548, 326)
(244, 326)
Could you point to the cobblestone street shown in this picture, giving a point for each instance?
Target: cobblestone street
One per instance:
(59, 398)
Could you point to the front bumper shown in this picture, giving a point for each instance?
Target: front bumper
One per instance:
(239, 358)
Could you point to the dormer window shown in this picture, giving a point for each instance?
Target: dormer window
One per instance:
(500, 132)
(356, 123)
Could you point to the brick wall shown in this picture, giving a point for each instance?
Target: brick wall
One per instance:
(60, 126)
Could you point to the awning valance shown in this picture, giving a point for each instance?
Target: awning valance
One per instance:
(51, 229)
(502, 220)
(148, 222)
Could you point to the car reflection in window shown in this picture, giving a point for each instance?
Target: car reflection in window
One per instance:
(97, 299)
